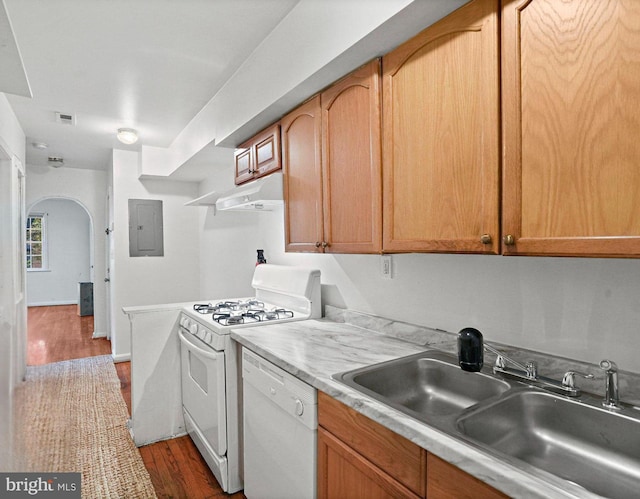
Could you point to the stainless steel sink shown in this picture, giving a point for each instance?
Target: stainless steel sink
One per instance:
(426, 386)
(588, 445)
(539, 432)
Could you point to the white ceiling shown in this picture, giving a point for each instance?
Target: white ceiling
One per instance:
(151, 65)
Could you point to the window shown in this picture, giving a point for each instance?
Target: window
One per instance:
(36, 242)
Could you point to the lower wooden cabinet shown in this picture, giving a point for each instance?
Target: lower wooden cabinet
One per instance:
(359, 458)
(345, 473)
(402, 461)
(446, 481)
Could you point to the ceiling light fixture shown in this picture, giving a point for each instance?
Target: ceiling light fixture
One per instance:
(127, 135)
(39, 145)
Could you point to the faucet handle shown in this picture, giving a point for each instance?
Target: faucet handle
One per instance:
(569, 378)
(611, 395)
(609, 366)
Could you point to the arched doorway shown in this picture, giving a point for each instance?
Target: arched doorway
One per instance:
(59, 251)
(59, 254)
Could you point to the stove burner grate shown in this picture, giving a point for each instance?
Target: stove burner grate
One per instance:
(228, 306)
(230, 319)
(229, 313)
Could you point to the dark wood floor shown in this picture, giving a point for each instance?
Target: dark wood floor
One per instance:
(176, 468)
(58, 333)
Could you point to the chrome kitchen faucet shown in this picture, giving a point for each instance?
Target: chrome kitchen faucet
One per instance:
(611, 396)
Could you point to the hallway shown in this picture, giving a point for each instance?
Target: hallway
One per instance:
(59, 333)
(176, 468)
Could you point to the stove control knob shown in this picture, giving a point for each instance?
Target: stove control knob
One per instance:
(299, 407)
(193, 329)
(208, 337)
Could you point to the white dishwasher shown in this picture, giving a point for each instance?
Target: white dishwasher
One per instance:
(280, 432)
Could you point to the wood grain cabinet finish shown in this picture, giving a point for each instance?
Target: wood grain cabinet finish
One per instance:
(571, 101)
(359, 458)
(446, 481)
(347, 474)
(441, 132)
(351, 162)
(333, 184)
(301, 152)
(259, 156)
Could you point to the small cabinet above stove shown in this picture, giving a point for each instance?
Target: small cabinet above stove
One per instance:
(258, 156)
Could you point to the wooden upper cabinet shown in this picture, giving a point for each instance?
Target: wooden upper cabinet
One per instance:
(301, 136)
(351, 163)
(258, 156)
(332, 168)
(441, 159)
(571, 95)
(244, 164)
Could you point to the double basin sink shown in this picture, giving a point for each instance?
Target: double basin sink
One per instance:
(574, 439)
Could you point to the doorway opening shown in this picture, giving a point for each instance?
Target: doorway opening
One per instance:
(59, 259)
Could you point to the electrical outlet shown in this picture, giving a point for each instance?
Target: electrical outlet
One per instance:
(385, 267)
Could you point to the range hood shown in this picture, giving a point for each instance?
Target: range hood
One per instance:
(263, 194)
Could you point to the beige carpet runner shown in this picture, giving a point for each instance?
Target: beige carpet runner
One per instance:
(70, 417)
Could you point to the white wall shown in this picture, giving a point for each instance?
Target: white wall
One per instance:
(137, 281)
(326, 40)
(12, 138)
(89, 188)
(583, 308)
(12, 303)
(67, 233)
(228, 243)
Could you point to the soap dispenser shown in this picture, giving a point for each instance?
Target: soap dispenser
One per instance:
(261, 258)
(470, 349)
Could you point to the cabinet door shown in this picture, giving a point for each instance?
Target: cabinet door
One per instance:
(441, 136)
(446, 481)
(571, 95)
(267, 151)
(351, 163)
(343, 472)
(302, 177)
(400, 458)
(244, 163)
(259, 156)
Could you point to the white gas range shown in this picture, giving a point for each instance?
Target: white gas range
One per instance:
(211, 366)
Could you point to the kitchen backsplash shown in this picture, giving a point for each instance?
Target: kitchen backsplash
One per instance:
(550, 366)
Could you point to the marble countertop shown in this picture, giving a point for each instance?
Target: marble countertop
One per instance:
(314, 350)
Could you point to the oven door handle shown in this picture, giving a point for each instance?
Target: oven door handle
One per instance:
(199, 350)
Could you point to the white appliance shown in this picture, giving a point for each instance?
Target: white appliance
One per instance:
(280, 432)
(211, 365)
(261, 194)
